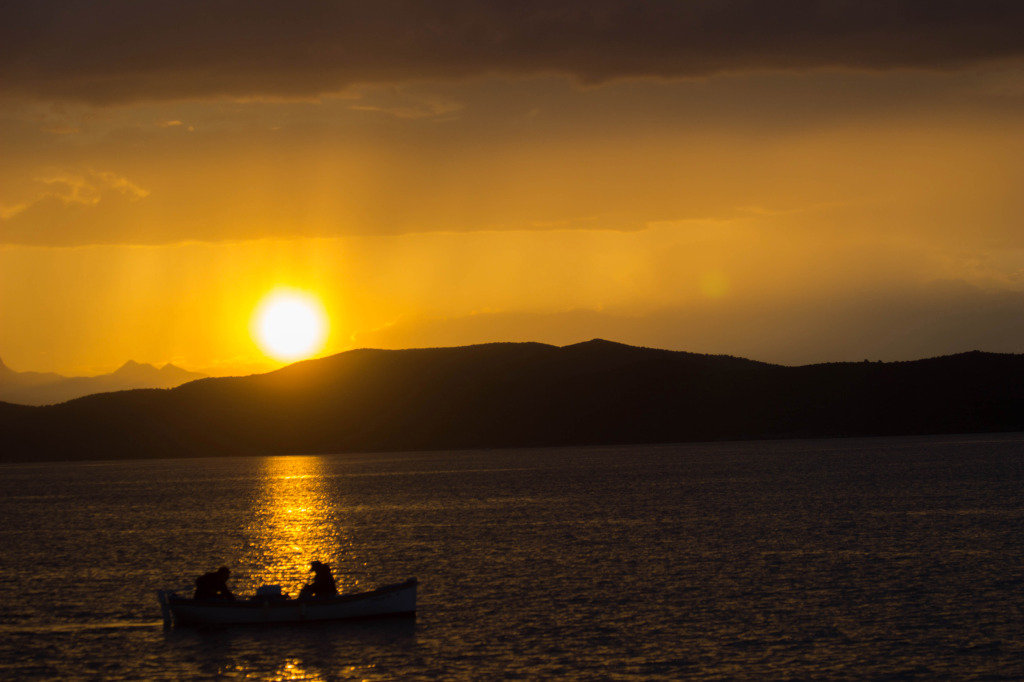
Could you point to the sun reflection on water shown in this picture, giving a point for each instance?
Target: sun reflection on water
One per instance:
(296, 520)
(294, 669)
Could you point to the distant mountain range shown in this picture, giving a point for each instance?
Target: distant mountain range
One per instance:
(521, 395)
(47, 388)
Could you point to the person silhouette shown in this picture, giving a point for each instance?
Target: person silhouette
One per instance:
(323, 582)
(214, 585)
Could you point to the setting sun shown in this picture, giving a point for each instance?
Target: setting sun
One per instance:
(290, 325)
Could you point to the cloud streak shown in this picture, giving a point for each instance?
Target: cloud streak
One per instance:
(114, 51)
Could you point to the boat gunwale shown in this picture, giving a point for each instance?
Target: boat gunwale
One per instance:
(287, 602)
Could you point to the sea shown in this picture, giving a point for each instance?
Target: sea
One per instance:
(849, 559)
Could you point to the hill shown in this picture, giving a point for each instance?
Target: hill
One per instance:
(522, 395)
(37, 388)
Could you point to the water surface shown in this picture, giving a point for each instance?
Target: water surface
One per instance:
(837, 559)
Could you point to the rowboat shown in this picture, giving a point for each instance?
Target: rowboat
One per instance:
(268, 607)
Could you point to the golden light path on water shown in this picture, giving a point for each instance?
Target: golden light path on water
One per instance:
(296, 520)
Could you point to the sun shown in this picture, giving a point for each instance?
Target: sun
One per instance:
(290, 325)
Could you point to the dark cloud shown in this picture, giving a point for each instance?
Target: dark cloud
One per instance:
(123, 50)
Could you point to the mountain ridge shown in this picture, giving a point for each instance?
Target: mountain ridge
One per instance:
(523, 395)
(49, 388)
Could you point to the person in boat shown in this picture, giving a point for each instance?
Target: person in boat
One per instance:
(214, 585)
(323, 582)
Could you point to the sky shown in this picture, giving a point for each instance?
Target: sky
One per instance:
(795, 182)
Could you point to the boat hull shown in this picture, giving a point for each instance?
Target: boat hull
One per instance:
(389, 600)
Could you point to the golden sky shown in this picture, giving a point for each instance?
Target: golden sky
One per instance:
(797, 181)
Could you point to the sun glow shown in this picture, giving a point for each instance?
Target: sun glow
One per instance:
(290, 325)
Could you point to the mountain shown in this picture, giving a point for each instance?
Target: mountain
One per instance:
(8, 377)
(522, 395)
(35, 388)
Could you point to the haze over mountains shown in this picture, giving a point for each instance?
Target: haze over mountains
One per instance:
(521, 395)
(47, 388)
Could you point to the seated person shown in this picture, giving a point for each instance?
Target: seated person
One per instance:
(323, 582)
(214, 585)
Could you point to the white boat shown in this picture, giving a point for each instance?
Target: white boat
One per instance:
(388, 600)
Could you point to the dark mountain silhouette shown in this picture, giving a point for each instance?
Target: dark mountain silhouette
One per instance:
(36, 388)
(522, 395)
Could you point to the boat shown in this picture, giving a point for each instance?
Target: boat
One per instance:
(270, 606)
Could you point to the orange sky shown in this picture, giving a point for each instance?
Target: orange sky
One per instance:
(792, 182)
